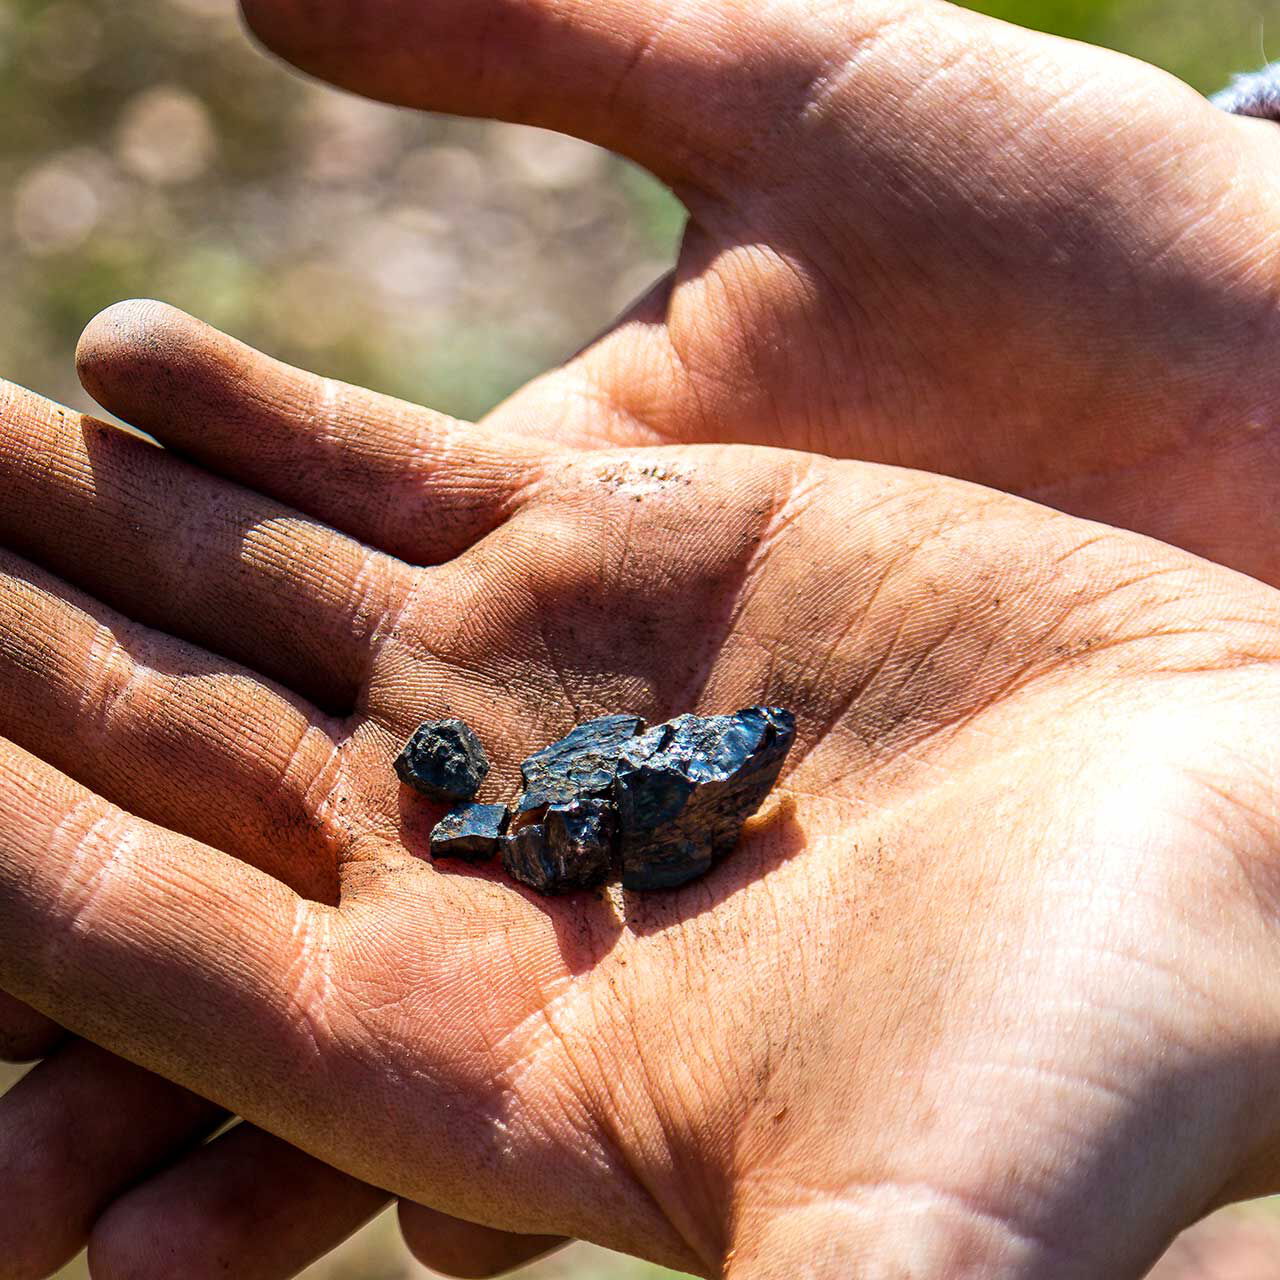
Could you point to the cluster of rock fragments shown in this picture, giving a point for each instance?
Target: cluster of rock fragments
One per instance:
(658, 806)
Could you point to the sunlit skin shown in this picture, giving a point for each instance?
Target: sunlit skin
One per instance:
(1123, 287)
(984, 991)
(917, 236)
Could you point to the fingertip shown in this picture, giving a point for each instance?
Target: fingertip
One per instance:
(72, 1132)
(127, 339)
(661, 83)
(245, 1204)
(152, 365)
(44, 1219)
(467, 1250)
(278, 25)
(120, 1248)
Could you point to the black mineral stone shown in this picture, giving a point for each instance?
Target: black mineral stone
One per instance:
(443, 760)
(684, 789)
(470, 831)
(526, 857)
(572, 848)
(581, 838)
(580, 766)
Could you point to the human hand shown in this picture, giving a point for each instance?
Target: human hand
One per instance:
(875, 1032)
(1102, 224)
(1225, 517)
(917, 235)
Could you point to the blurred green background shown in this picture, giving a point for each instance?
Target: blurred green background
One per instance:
(146, 148)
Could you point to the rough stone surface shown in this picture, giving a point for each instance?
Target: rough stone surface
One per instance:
(662, 805)
(443, 760)
(572, 848)
(472, 832)
(684, 789)
(581, 838)
(580, 766)
(526, 858)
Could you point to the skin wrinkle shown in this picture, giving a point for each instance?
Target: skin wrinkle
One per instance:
(848, 51)
(683, 372)
(752, 1260)
(696, 1241)
(1058, 492)
(323, 418)
(320, 784)
(896, 566)
(103, 686)
(587, 389)
(645, 46)
(534, 1033)
(99, 850)
(1087, 1083)
(1265, 816)
(309, 979)
(852, 358)
(382, 580)
(793, 502)
(549, 650)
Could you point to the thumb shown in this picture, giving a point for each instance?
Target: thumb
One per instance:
(688, 88)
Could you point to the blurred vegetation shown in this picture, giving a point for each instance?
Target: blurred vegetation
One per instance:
(1204, 42)
(146, 148)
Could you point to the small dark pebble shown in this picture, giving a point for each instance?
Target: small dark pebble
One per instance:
(579, 766)
(443, 760)
(571, 848)
(472, 832)
(684, 789)
(662, 805)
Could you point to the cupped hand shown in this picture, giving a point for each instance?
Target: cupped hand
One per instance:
(917, 235)
(985, 990)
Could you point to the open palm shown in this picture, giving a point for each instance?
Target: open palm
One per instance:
(917, 235)
(1001, 937)
(948, 244)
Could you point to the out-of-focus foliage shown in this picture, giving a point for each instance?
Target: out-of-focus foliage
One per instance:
(1202, 41)
(146, 148)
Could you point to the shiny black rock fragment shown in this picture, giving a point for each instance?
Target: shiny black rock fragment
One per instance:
(472, 832)
(684, 789)
(571, 848)
(581, 838)
(526, 858)
(580, 766)
(443, 760)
